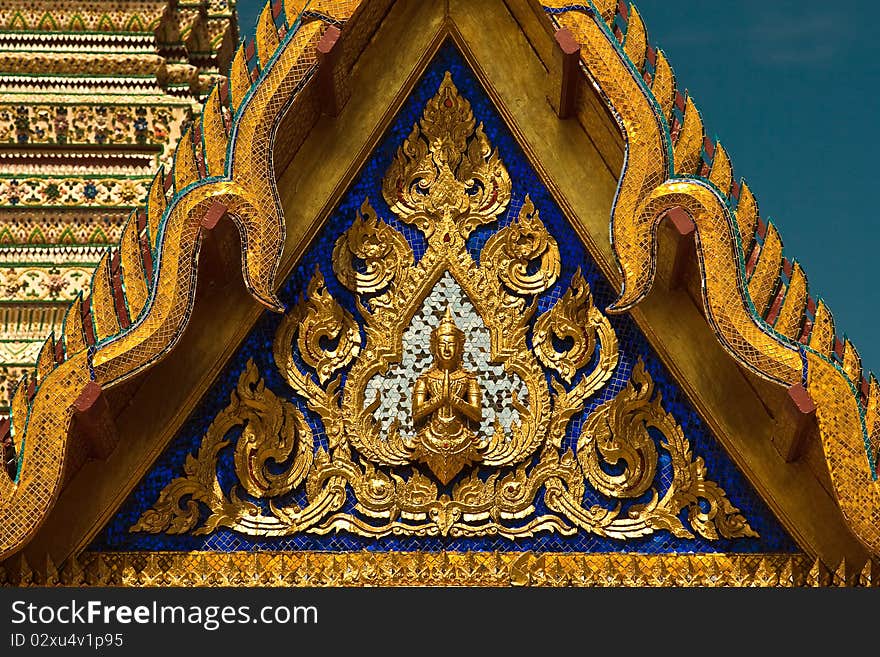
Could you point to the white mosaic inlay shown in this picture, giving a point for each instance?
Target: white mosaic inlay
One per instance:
(395, 387)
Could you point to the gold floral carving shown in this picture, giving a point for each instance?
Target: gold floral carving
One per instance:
(474, 484)
(273, 430)
(383, 252)
(320, 318)
(566, 320)
(446, 177)
(618, 431)
(510, 252)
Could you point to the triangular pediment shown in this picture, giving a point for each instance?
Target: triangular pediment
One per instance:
(184, 357)
(646, 465)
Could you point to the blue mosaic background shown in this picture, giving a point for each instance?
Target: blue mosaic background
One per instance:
(258, 346)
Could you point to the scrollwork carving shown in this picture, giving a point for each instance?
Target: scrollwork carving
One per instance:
(446, 474)
(515, 249)
(568, 319)
(324, 322)
(273, 430)
(380, 251)
(618, 431)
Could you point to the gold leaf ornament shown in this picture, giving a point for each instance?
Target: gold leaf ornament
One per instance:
(571, 318)
(324, 322)
(446, 177)
(276, 431)
(514, 249)
(273, 429)
(618, 431)
(380, 251)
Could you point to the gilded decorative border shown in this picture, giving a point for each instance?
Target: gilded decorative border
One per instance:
(125, 19)
(756, 301)
(82, 15)
(107, 123)
(277, 569)
(32, 230)
(54, 36)
(29, 283)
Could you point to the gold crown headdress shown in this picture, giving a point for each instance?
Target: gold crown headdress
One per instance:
(447, 326)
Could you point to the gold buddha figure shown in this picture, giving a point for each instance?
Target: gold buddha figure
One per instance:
(447, 405)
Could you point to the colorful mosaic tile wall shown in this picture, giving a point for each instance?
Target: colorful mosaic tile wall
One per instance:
(633, 347)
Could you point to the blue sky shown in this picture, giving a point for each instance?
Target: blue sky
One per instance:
(791, 90)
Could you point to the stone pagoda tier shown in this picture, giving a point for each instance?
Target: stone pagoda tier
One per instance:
(94, 95)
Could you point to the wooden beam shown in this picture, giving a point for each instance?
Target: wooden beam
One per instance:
(794, 424)
(564, 94)
(215, 255)
(334, 86)
(94, 422)
(676, 251)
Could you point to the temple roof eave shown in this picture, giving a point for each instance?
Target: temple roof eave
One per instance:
(630, 57)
